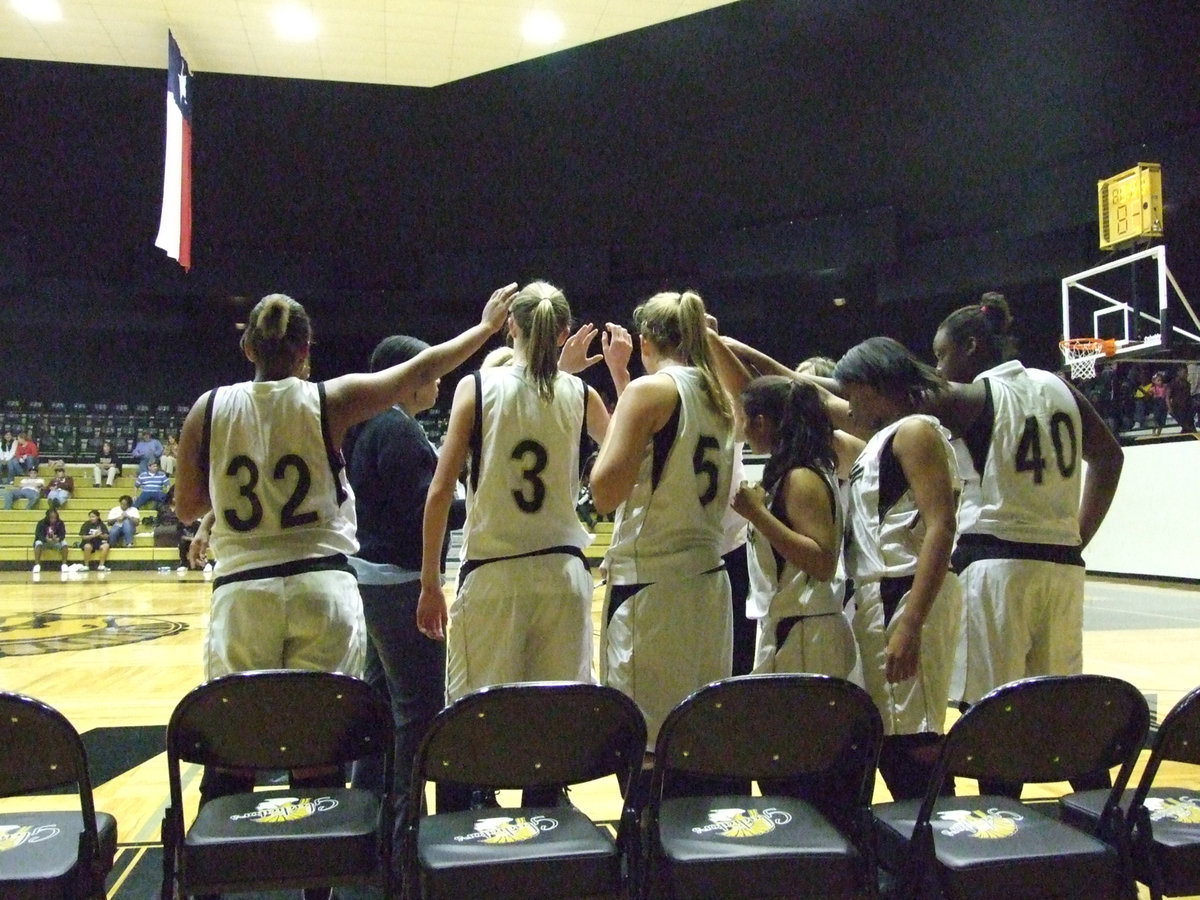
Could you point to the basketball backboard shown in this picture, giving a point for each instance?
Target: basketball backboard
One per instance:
(1135, 302)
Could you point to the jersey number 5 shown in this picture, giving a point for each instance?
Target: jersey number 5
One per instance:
(1062, 436)
(288, 518)
(704, 465)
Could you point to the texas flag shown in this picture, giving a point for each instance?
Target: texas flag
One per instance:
(175, 226)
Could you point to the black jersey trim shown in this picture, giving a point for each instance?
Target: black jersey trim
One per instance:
(471, 565)
(336, 563)
(973, 548)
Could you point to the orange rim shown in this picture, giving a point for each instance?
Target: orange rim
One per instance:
(1088, 345)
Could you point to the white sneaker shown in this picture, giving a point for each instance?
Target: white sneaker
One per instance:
(181, 571)
(208, 568)
(103, 569)
(65, 567)
(37, 567)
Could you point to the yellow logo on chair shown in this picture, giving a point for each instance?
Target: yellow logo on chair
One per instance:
(743, 823)
(13, 836)
(1183, 810)
(991, 825)
(506, 830)
(274, 810)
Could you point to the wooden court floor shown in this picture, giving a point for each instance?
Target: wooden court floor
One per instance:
(115, 653)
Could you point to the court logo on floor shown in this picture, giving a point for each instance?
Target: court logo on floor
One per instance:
(1183, 810)
(991, 825)
(287, 809)
(13, 836)
(743, 823)
(505, 830)
(41, 633)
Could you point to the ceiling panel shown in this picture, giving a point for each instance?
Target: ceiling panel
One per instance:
(402, 42)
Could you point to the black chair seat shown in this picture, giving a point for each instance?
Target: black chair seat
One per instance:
(1171, 859)
(65, 854)
(811, 742)
(1019, 850)
(709, 844)
(320, 833)
(40, 849)
(310, 725)
(540, 736)
(517, 851)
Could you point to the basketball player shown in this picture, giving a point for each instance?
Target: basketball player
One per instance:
(903, 491)
(1027, 512)
(263, 456)
(797, 521)
(665, 468)
(523, 607)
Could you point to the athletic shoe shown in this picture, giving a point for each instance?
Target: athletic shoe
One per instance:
(37, 567)
(96, 485)
(208, 568)
(103, 569)
(181, 571)
(65, 567)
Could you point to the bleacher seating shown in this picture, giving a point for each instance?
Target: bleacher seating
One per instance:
(74, 431)
(17, 524)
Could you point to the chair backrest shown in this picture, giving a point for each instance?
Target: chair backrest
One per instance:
(770, 727)
(1048, 728)
(39, 749)
(1177, 740)
(533, 734)
(279, 719)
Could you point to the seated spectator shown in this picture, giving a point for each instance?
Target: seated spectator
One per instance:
(123, 521)
(147, 450)
(107, 465)
(8, 450)
(60, 488)
(49, 534)
(93, 540)
(167, 460)
(153, 487)
(27, 487)
(1179, 401)
(25, 456)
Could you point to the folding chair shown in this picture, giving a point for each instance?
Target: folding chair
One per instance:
(62, 853)
(1050, 728)
(533, 735)
(812, 743)
(1164, 827)
(279, 839)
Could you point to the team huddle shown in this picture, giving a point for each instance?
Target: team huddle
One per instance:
(917, 530)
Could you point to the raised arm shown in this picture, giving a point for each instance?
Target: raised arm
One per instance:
(617, 346)
(642, 410)
(354, 398)
(731, 371)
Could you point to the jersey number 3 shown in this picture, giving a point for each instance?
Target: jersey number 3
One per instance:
(243, 466)
(1062, 436)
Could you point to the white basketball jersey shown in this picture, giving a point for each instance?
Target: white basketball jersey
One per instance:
(522, 497)
(1024, 479)
(278, 490)
(886, 530)
(783, 589)
(670, 525)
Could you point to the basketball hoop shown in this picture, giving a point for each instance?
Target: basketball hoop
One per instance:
(1081, 354)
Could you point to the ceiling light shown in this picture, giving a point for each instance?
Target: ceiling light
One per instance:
(839, 301)
(295, 23)
(39, 10)
(542, 27)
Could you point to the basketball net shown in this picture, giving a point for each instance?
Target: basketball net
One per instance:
(1081, 354)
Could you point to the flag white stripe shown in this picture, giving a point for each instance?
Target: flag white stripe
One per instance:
(170, 223)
